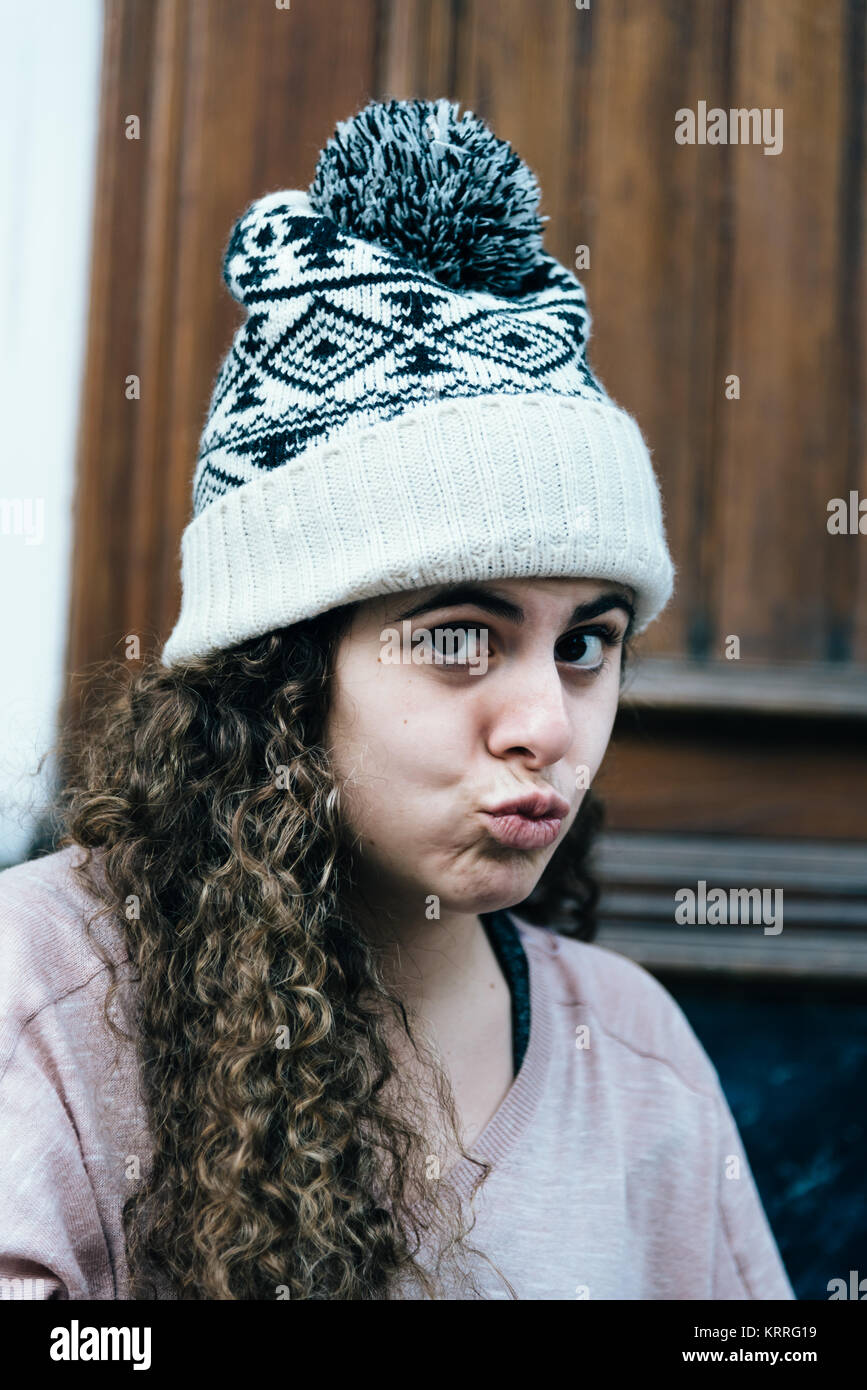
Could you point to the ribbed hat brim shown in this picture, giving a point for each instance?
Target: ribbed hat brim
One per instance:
(468, 488)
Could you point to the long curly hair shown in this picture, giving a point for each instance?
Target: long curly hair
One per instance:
(282, 1164)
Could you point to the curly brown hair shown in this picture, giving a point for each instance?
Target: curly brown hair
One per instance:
(281, 1165)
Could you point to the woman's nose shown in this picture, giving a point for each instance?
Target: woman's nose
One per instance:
(529, 713)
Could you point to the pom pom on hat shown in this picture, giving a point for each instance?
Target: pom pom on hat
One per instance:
(443, 193)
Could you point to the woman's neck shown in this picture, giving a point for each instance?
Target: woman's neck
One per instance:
(430, 963)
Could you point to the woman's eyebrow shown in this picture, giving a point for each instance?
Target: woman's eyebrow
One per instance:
(452, 595)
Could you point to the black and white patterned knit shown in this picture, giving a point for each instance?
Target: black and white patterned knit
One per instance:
(408, 342)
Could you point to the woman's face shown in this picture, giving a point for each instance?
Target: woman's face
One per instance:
(425, 749)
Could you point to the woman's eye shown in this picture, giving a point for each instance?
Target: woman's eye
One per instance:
(462, 644)
(583, 649)
(458, 645)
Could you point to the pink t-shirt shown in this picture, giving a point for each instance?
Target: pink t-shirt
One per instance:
(618, 1171)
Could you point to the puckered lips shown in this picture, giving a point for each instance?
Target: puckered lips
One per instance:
(531, 821)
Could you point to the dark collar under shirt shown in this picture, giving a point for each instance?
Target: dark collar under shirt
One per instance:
(505, 942)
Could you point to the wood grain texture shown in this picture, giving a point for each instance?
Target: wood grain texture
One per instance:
(736, 774)
(779, 452)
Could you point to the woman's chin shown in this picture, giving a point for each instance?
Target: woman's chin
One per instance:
(501, 890)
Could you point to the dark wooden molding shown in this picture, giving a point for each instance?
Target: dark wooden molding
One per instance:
(824, 886)
(821, 688)
(740, 952)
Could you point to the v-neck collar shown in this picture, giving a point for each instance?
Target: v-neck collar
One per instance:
(512, 1117)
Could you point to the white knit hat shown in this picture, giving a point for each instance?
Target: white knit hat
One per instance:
(408, 402)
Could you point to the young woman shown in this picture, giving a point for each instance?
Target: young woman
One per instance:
(316, 1014)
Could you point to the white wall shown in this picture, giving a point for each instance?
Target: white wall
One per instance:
(49, 92)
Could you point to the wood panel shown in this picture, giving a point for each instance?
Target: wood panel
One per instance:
(736, 774)
(419, 49)
(780, 450)
(102, 521)
(853, 296)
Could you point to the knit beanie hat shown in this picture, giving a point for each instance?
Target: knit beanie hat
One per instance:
(408, 402)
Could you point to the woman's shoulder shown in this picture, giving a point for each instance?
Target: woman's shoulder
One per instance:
(623, 1001)
(45, 952)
